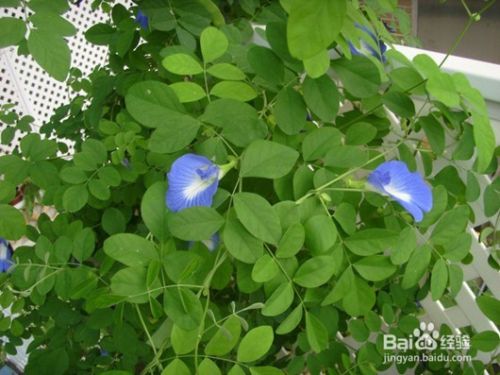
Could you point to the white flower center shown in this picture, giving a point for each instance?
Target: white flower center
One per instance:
(3, 251)
(391, 190)
(197, 186)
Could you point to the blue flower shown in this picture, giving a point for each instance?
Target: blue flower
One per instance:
(142, 19)
(408, 189)
(192, 181)
(366, 48)
(5, 255)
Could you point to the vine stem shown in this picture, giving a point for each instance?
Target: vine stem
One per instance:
(219, 259)
(150, 339)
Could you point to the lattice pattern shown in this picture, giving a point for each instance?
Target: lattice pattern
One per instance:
(34, 92)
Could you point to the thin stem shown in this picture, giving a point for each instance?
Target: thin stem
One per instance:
(283, 271)
(150, 339)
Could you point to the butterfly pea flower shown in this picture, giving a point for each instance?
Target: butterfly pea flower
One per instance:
(407, 188)
(366, 49)
(192, 181)
(142, 19)
(5, 255)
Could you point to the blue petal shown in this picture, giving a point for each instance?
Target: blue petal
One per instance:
(5, 255)
(142, 19)
(409, 189)
(365, 48)
(192, 181)
(413, 209)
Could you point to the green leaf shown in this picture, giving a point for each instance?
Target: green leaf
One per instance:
(130, 249)
(473, 190)
(291, 242)
(183, 341)
(195, 223)
(264, 269)
(399, 103)
(100, 34)
(73, 175)
(456, 278)
(84, 244)
(407, 242)
(266, 64)
(12, 223)
(208, 367)
(439, 279)
(322, 97)
(360, 298)
(441, 86)
(490, 307)
(52, 23)
(360, 133)
(99, 189)
(291, 321)
(239, 121)
(10, 3)
(375, 268)
(174, 135)
(154, 214)
(213, 44)
(434, 132)
(317, 334)
(225, 339)
(265, 370)
(131, 282)
(321, 234)
(152, 103)
(12, 31)
(315, 272)
(279, 301)
(458, 248)
(359, 75)
(491, 198)
(188, 91)
(258, 217)
(371, 241)
(313, 25)
(346, 156)
(233, 90)
(267, 159)
(341, 288)
(317, 143)
(358, 330)
(255, 344)
(484, 137)
(451, 224)
(485, 341)
(51, 52)
(109, 175)
(75, 198)
(226, 71)
(176, 367)
(241, 244)
(290, 111)
(182, 64)
(55, 6)
(318, 64)
(113, 221)
(236, 370)
(183, 307)
(416, 267)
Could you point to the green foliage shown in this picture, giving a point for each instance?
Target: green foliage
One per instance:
(308, 253)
